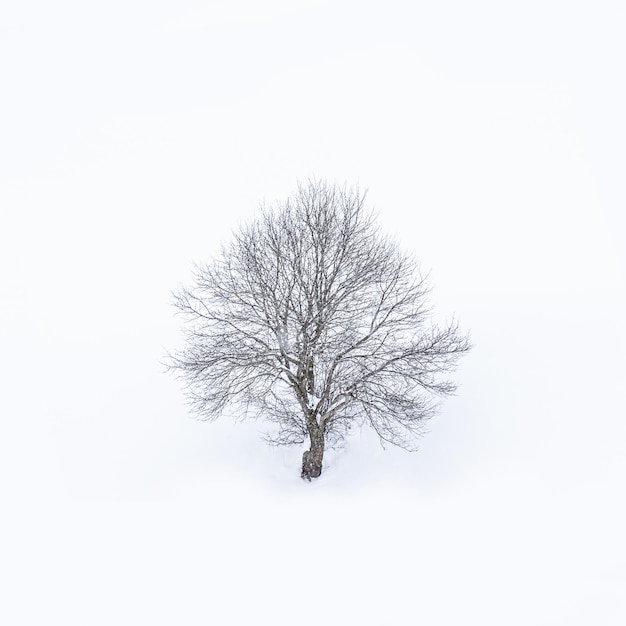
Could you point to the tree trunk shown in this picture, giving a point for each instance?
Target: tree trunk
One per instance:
(312, 459)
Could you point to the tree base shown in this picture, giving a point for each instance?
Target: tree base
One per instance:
(311, 465)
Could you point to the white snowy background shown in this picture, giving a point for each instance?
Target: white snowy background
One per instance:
(135, 135)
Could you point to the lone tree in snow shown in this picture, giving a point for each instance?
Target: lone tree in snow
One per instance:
(312, 319)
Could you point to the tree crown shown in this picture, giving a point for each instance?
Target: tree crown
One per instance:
(314, 320)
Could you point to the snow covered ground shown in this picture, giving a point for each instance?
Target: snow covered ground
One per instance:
(135, 136)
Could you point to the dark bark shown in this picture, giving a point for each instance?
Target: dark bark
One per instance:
(312, 458)
(310, 376)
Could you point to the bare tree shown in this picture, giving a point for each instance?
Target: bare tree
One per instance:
(314, 320)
